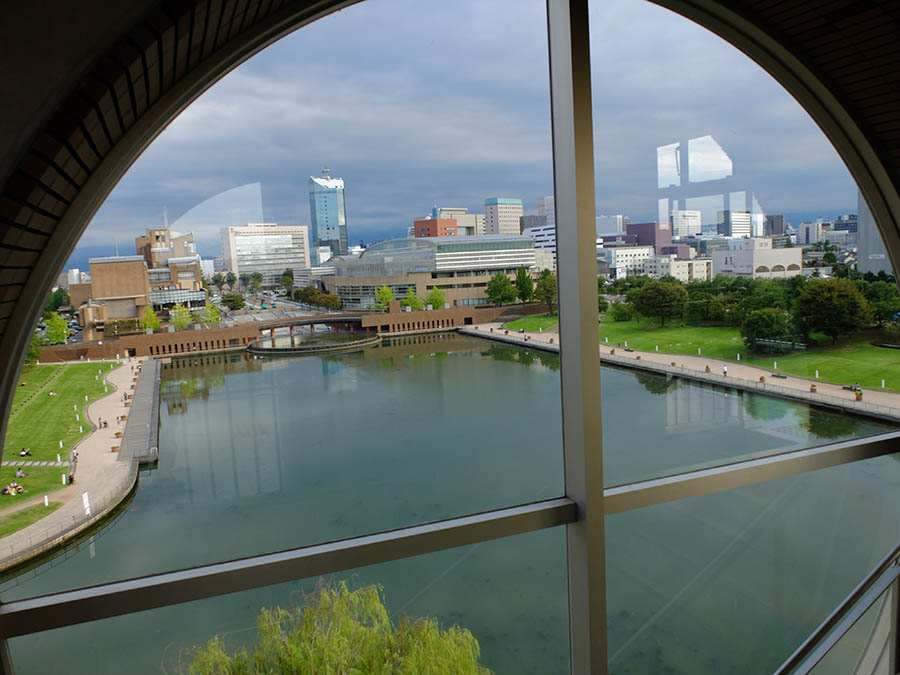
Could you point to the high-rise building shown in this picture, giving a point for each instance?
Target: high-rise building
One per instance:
(267, 248)
(609, 224)
(734, 224)
(160, 244)
(501, 215)
(871, 254)
(435, 227)
(327, 214)
(774, 225)
(546, 208)
(810, 233)
(686, 223)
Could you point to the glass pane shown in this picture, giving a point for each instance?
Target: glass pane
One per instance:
(728, 239)
(735, 581)
(266, 452)
(510, 593)
(866, 647)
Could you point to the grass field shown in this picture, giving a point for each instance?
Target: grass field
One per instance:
(39, 421)
(845, 363)
(39, 481)
(532, 324)
(16, 521)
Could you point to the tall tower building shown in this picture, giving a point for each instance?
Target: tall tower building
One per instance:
(327, 214)
(871, 253)
(686, 223)
(501, 215)
(546, 208)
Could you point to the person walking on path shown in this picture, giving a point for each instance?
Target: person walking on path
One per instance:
(725, 370)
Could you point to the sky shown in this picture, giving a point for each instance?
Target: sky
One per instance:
(447, 102)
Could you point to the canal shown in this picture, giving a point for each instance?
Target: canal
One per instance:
(260, 454)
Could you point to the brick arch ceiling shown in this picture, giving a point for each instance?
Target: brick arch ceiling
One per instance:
(113, 78)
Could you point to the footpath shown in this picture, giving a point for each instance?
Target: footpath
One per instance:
(100, 480)
(877, 402)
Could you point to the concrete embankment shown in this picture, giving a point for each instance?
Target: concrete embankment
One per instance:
(107, 464)
(877, 404)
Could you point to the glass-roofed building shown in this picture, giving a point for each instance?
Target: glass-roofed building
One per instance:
(459, 266)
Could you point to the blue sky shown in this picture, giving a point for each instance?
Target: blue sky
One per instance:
(447, 102)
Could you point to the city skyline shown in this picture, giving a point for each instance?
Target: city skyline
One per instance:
(483, 131)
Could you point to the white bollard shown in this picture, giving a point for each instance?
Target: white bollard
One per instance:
(657, 347)
(85, 397)
(77, 418)
(607, 340)
(60, 447)
(882, 383)
(58, 460)
(698, 351)
(817, 373)
(80, 429)
(75, 405)
(46, 500)
(626, 343)
(64, 479)
(87, 503)
(739, 356)
(775, 365)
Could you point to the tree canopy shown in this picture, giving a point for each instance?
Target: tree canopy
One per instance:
(233, 301)
(57, 328)
(834, 307)
(384, 295)
(664, 299)
(524, 285)
(500, 289)
(413, 301)
(435, 298)
(218, 280)
(769, 323)
(58, 298)
(230, 279)
(149, 321)
(210, 315)
(180, 316)
(343, 631)
(546, 290)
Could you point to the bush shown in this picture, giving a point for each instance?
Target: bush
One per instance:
(344, 632)
(620, 311)
(233, 301)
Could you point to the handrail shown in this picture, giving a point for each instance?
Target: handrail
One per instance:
(805, 649)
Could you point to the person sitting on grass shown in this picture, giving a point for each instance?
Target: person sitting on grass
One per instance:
(20, 473)
(24, 452)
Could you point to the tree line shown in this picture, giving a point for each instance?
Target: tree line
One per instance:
(771, 313)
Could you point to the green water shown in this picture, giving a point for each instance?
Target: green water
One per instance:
(259, 455)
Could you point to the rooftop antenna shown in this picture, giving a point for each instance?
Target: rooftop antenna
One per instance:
(325, 171)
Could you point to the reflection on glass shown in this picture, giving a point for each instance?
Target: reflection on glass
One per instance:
(510, 593)
(707, 160)
(867, 647)
(735, 581)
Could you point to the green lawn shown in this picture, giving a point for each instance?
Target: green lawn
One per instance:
(20, 519)
(845, 363)
(39, 421)
(39, 481)
(533, 324)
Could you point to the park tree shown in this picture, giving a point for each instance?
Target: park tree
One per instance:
(620, 311)
(883, 298)
(829, 258)
(218, 280)
(343, 631)
(210, 315)
(832, 306)
(602, 302)
(661, 298)
(769, 323)
(435, 298)
(500, 289)
(287, 279)
(546, 290)
(524, 285)
(383, 297)
(413, 301)
(245, 281)
(57, 329)
(230, 279)
(180, 316)
(58, 298)
(149, 321)
(34, 350)
(256, 281)
(233, 301)
(328, 301)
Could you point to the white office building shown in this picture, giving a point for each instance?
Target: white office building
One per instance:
(627, 261)
(735, 224)
(267, 248)
(545, 240)
(501, 215)
(686, 223)
(686, 271)
(756, 258)
(810, 233)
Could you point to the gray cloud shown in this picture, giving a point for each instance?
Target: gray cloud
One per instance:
(414, 103)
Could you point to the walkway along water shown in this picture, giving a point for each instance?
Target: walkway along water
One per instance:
(880, 404)
(106, 467)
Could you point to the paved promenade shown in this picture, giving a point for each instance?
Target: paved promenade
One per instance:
(98, 475)
(736, 370)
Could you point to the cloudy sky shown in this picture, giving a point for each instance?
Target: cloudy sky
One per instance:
(415, 103)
